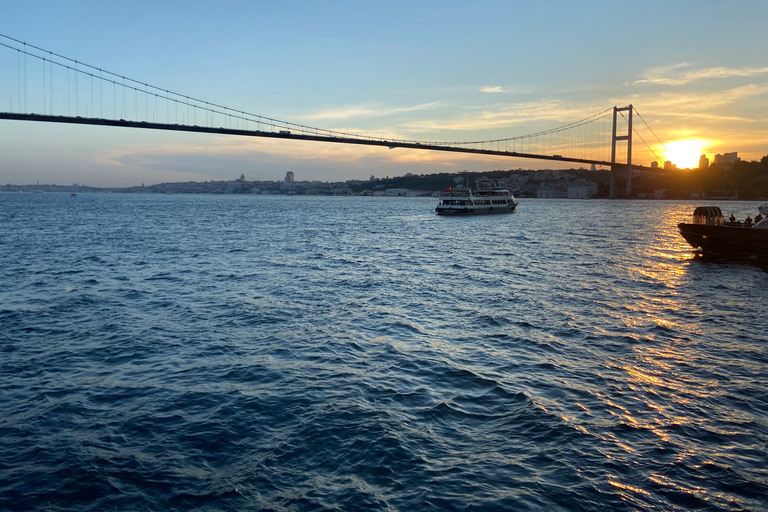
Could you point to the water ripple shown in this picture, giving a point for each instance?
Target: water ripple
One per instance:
(296, 353)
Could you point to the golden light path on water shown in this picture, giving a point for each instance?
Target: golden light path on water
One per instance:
(663, 379)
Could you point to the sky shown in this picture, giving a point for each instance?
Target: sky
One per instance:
(696, 71)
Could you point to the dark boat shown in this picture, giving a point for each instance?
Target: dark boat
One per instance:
(711, 234)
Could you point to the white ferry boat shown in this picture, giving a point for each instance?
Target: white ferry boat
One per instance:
(463, 201)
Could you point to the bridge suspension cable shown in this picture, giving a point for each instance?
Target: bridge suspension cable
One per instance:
(605, 113)
(580, 141)
(636, 132)
(654, 134)
(177, 98)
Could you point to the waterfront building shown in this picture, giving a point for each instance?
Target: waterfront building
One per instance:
(551, 193)
(397, 192)
(727, 158)
(289, 177)
(703, 162)
(585, 190)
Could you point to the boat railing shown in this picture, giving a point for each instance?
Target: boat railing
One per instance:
(492, 193)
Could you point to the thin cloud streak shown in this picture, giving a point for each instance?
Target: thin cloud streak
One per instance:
(497, 89)
(365, 111)
(492, 89)
(699, 103)
(235, 147)
(661, 75)
(508, 115)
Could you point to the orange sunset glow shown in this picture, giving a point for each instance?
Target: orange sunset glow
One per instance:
(685, 153)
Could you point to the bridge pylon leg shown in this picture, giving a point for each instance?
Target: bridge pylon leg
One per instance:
(614, 139)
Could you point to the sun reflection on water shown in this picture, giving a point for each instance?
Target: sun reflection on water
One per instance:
(659, 395)
(626, 487)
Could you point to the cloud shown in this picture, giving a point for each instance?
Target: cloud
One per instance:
(365, 111)
(200, 158)
(497, 89)
(701, 104)
(670, 75)
(721, 116)
(506, 115)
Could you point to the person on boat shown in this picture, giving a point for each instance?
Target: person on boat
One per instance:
(748, 222)
(758, 218)
(732, 218)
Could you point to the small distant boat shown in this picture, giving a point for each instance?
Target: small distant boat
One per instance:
(463, 201)
(72, 195)
(711, 234)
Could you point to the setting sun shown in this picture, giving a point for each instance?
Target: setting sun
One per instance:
(685, 153)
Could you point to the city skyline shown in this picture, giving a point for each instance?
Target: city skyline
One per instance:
(443, 71)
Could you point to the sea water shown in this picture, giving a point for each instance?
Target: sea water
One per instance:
(200, 352)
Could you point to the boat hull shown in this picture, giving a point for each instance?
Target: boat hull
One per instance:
(474, 210)
(726, 239)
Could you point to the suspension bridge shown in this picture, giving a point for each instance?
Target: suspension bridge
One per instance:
(40, 85)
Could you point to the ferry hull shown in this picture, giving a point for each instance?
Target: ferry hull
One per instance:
(726, 239)
(473, 211)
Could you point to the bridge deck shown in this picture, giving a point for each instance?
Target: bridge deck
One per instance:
(298, 136)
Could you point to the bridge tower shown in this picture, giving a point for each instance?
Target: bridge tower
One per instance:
(628, 138)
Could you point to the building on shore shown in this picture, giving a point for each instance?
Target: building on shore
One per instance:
(727, 158)
(551, 193)
(583, 191)
(406, 192)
